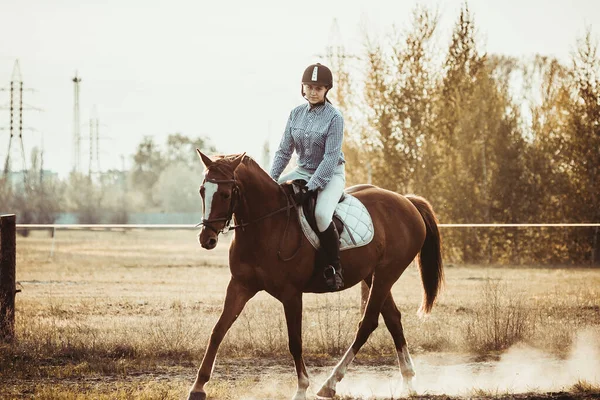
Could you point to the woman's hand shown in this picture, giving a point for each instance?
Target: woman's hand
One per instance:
(303, 195)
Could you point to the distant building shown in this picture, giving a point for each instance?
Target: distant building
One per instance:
(17, 178)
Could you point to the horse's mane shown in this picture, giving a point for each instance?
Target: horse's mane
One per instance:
(251, 164)
(223, 164)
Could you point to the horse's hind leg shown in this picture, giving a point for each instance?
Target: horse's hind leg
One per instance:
(393, 321)
(381, 286)
(392, 317)
(236, 298)
(365, 288)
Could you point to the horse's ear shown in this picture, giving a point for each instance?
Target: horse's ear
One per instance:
(236, 161)
(205, 160)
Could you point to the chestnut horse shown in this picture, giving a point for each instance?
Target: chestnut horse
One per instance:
(268, 234)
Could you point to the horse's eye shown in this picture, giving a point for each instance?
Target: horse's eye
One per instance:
(226, 195)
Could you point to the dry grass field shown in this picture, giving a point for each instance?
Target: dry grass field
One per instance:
(115, 315)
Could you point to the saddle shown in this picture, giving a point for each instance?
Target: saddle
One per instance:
(308, 208)
(351, 218)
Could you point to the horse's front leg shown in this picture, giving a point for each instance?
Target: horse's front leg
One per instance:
(293, 317)
(236, 298)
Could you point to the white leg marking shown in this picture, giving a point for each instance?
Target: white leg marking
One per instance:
(209, 191)
(340, 370)
(406, 368)
(303, 383)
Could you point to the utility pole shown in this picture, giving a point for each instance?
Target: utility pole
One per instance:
(123, 182)
(92, 125)
(16, 127)
(42, 164)
(97, 144)
(94, 142)
(76, 128)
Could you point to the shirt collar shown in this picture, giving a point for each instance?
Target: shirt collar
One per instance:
(317, 108)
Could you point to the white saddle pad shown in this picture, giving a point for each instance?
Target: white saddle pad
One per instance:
(358, 226)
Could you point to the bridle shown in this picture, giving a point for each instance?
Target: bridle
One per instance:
(235, 192)
(235, 199)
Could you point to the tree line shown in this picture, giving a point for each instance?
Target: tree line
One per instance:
(485, 138)
(163, 178)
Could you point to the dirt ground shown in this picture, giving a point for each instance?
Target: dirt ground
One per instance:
(273, 379)
(154, 297)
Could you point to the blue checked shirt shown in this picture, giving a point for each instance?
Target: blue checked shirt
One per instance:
(316, 134)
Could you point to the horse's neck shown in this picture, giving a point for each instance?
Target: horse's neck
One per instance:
(261, 195)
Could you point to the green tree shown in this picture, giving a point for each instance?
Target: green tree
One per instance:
(84, 197)
(343, 97)
(177, 189)
(379, 136)
(411, 95)
(36, 200)
(5, 194)
(582, 137)
(44, 191)
(182, 149)
(461, 133)
(149, 162)
(512, 186)
(550, 84)
(467, 141)
(116, 201)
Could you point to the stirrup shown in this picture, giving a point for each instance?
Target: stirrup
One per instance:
(333, 278)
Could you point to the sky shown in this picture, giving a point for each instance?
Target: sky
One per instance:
(228, 71)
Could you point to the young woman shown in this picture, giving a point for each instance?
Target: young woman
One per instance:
(315, 130)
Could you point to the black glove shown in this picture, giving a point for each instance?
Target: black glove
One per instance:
(303, 195)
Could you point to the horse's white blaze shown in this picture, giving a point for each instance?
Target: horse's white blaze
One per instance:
(209, 191)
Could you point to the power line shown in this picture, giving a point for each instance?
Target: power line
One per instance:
(16, 126)
(94, 143)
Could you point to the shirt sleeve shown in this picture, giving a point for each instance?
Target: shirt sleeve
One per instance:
(284, 153)
(331, 158)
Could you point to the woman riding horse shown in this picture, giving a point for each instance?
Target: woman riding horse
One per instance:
(267, 226)
(316, 130)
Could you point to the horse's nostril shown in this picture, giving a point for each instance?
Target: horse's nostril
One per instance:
(212, 241)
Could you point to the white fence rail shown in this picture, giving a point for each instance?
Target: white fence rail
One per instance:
(188, 226)
(52, 229)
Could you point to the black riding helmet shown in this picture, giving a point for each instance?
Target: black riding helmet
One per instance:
(318, 75)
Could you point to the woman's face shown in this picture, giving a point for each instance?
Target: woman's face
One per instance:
(315, 94)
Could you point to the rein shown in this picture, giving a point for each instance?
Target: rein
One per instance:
(233, 204)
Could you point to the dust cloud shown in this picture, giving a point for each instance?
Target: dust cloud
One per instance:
(521, 369)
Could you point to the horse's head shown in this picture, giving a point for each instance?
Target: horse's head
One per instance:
(220, 195)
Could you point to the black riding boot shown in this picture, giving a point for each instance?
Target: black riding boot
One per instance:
(330, 242)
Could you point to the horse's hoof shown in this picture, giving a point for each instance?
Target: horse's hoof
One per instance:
(197, 396)
(326, 393)
(408, 385)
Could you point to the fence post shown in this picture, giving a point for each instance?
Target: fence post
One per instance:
(8, 288)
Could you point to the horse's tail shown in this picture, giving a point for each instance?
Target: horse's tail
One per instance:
(430, 257)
